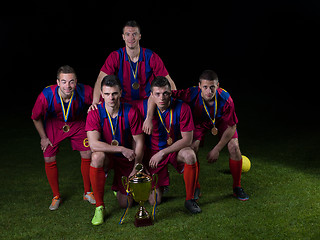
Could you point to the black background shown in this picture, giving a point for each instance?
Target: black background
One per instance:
(265, 52)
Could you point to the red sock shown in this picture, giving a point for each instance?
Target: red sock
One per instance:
(98, 178)
(235, 169)
(52, 175)
(197, 176)
(189, 176)
(85, 170)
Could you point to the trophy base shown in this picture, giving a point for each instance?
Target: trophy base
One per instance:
(143, 222)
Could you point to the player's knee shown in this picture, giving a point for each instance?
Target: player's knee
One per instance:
(97, 159)
(234, 149)
(189, 156)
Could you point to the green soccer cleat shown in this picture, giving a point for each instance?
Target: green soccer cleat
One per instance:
(99, 215)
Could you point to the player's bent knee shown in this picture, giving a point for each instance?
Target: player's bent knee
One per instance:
(50, 159)
(97, 159)
(234, 149)
(187, 156)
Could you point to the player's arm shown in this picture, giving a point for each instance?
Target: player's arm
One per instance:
(45, 142)
(147, 124)
(97, 88)
(98, 146)
(185, 141)
(138, 149)
(172, 84)
(213, 155)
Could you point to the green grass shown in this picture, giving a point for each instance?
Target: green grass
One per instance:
(283, 185)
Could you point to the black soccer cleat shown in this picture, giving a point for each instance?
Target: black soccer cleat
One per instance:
(239, 193)
(192, 206)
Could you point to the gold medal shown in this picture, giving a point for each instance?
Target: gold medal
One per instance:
(114, 143)
(135, 85)
(214, 131)
(66, 128)
(169, 141)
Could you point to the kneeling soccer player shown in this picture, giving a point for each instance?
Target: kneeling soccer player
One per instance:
(170, 140)
(116, 139)
(59, 113)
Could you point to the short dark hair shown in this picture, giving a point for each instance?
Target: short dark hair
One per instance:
(208, 75)
(160, 81)
(131, 23)
(65, 69)
(111, 81)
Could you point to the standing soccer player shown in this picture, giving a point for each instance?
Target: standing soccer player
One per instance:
(170, 140)
(213, 110)
(135, 66)
(116, 139)
(59, 113)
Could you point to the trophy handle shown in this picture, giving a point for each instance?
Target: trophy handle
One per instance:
(125, 182)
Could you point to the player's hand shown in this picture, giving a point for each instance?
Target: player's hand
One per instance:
(45, 142)
(94, 106)
(213, 156)
(154, 161)
(128, 153)
(147, 126)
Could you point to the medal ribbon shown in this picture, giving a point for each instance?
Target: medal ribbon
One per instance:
(114, 130)
(215, 109)
(136, 71)
(66, 114)
(162, 121)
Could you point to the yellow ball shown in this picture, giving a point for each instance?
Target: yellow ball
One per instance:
(246, 164)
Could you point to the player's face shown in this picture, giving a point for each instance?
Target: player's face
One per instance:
(161, 96)
(131, 37)
(111, 95)
(67, 83)
(208, 89)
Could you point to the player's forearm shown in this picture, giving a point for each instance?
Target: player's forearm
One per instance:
(185, 141)
(40, 128)
(226, 137)
(98, 146)
(151, 108)
(172, 84)
(97, 88)
(139, 148)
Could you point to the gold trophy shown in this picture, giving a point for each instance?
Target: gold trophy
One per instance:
(140, 186)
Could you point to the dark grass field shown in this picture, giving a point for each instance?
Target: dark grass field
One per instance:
(283, 185)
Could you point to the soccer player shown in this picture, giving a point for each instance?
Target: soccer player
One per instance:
(213, 110)
(116, 139)
(170, 140)
(135, 66)
(59, 113)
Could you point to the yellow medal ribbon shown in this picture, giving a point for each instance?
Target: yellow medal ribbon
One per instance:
(114, 130)
(168, 131)
(215, 109)
(134, 72)
(66, 113)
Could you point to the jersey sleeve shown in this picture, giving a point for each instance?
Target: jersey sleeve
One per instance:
(111, 65)
(186, 120)
(40, 107)
(183, 94)
(229, 117)
(93, 121)
(88, 94)
(157, 66)
(135, 121)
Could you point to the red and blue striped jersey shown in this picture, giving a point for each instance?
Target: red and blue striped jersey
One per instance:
(182, 121)
(225, 117)
(150, 65)
(127, 123)
(48, 103)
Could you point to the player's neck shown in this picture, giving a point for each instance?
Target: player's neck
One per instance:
(133, 53)
(113, 110)
(164, 108)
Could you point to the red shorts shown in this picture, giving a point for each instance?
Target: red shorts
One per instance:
(77, 136)
(122, 167)
(162, 169)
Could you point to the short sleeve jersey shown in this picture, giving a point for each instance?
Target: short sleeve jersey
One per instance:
(149, 66)
(48, 104)
(126, 124)
(225, 117)
(182, 121)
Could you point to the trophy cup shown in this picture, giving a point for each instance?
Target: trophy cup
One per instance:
(140, 186)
